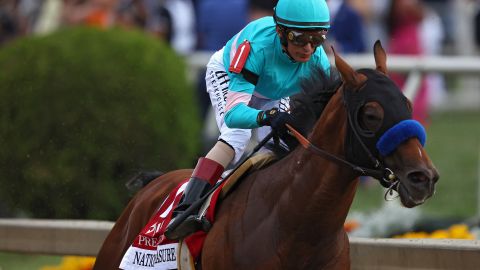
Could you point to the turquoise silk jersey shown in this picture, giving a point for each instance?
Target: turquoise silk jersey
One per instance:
(279, 76)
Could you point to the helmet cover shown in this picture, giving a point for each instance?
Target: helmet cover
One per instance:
(303, 14)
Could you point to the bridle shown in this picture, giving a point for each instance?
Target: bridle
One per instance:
(379, 171)
(384, 175)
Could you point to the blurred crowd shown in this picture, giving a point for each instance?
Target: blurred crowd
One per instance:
(413, 27)
(190, 25)
(187, 25)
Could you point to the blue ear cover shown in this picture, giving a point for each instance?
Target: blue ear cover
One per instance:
(399, 133)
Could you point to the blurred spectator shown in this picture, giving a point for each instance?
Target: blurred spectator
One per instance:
(155, 22)
(98, 13)
(132, 13)
(49, 17)
(171, 20)
(443, 9)
(404, 29)
(346, 33)
(28, 12)
(217, 21)
(9, 26)
(260, 8)
(433, 35)
(432, 32)
(374, 14)
(477, 24)
(180, 17)
(17, 18)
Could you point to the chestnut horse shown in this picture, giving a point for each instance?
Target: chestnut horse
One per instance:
(290, 215)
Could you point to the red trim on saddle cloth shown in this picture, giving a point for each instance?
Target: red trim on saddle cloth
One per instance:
(238, 61)
(151, 237)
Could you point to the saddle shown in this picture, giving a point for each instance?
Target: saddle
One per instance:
(152, 250)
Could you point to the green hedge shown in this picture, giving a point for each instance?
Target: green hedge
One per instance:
(81, 111)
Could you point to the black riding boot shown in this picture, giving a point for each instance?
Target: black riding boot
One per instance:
(205, 175)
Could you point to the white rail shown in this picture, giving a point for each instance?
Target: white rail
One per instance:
(398, 63)
(53, 237)
(80, 237)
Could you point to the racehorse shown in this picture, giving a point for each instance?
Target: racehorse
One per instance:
(290, 215)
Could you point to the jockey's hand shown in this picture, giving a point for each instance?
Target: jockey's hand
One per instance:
(275, 119)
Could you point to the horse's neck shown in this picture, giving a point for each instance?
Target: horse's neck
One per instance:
(293, 209)
(320, 191)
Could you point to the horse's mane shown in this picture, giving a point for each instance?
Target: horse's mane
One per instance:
(316, 91)
(307, 106)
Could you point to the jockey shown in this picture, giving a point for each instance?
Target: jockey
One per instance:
(248, 79)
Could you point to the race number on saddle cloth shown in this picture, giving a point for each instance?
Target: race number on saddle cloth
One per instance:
(257, 51)
(152, 250)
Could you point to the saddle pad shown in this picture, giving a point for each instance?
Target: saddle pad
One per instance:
(152, 250)
(254, 163)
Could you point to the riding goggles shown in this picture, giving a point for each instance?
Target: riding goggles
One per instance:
(300, 38)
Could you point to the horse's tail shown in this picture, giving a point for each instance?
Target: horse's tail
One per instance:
(142, 179)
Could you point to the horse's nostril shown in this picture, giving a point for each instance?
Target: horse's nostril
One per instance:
(417, 177)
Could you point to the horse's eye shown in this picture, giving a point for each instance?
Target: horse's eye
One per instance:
(371, 117)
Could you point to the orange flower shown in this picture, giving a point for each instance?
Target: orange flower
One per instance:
(458, 231)
(73, 263)
(351, 225)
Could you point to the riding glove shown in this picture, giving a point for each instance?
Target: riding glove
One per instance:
(275, 119)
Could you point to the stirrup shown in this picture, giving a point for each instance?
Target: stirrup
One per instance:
(190, 225)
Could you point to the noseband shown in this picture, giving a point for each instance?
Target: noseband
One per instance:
(363, 146)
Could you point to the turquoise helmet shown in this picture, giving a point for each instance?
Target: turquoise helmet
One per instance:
(306, 14)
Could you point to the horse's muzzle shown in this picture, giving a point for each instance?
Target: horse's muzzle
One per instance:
(418, 186)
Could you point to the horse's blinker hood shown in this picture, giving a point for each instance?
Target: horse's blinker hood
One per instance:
(396, 110)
